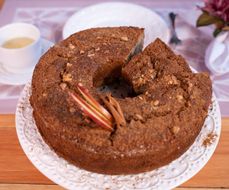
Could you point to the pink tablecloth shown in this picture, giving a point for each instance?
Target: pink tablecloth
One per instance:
(50, 17)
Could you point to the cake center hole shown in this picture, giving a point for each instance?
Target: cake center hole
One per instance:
(118, 87)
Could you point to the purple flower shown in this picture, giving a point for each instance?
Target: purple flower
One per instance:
(217, 8)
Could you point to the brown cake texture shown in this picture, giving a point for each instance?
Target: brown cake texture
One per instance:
(164, 113)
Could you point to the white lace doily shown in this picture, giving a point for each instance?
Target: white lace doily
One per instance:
(71, 177)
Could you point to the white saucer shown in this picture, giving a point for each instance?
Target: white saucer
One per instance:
(118, 14)
(7, 77)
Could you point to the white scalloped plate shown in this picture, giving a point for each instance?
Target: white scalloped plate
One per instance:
(118, 14)
(71, 177)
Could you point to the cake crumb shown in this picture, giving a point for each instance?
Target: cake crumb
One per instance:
(91, 55)
(67, 77)
(82, 52)
(71, 46)
(69, 65)
(124, 38)
(175, 130)
(180, 98)
(156, 103)
(210, 138)
(139, 117)
(72, 110)
(141, 98)
(63, 85)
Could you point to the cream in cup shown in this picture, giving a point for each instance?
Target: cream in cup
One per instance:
(20, 47)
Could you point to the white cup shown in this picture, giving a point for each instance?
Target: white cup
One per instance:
(20, 60)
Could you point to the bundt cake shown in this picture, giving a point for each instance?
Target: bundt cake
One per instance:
(164, 109)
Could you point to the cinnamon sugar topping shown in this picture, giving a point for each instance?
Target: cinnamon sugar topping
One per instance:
(209, 139)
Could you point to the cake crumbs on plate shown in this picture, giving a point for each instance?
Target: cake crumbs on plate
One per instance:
(210, 138)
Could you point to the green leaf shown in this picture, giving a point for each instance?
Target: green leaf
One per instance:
(217, 31)
(206, 19)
